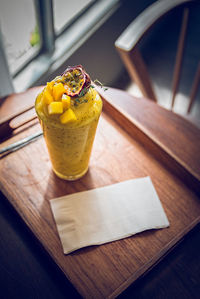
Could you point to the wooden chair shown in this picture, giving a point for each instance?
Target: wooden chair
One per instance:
(128, 46)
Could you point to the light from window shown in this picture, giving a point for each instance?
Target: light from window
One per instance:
(19, 30)
(65, 11)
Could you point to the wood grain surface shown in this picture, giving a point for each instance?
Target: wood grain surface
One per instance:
(119, 153)
(168, 136)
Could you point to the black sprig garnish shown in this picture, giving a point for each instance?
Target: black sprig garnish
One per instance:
(98, 83)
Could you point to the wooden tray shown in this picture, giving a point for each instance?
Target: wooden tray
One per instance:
(135, 138)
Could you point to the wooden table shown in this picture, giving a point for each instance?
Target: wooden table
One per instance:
(135, 138)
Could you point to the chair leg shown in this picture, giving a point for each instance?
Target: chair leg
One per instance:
(179, 56)
(138, 72)
(194, 88)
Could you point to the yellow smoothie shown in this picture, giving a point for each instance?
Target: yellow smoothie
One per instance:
(69, 124)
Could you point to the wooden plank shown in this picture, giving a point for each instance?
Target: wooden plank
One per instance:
(13, 106)
(104, 271)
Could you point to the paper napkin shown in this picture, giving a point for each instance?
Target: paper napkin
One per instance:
(108, 213)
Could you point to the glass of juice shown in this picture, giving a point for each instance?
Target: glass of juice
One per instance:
(68, 109)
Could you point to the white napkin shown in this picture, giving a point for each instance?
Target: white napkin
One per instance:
(108, 213)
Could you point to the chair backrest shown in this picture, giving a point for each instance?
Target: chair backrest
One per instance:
(128, 47)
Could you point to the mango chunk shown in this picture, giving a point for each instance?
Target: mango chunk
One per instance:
(47, 97)
(66, 100)
(58, 91)
(49, 86)
(68, 116)
(55, 108)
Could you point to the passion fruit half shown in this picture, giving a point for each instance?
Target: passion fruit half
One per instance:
(75, 80)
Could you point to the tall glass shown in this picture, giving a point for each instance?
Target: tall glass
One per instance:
(70, 145)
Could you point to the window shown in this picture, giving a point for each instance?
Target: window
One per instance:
(19, 32)
(41, 34)
(66, 11)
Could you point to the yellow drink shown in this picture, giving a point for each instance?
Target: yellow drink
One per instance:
(69, 144)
